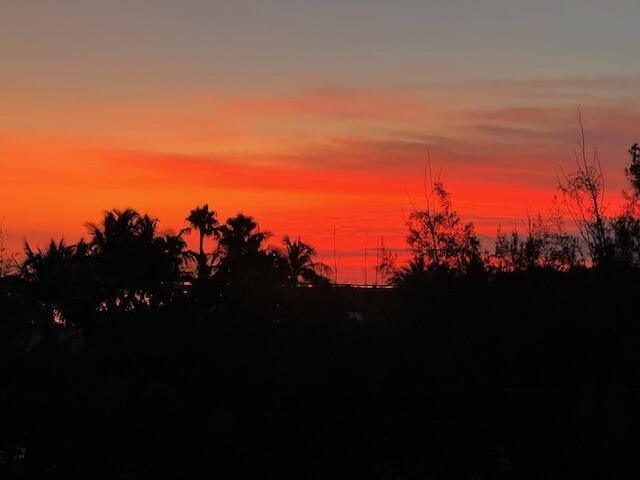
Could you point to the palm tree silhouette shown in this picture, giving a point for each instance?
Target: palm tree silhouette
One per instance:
(205, 222)
(244, 263)
(300, 264)
(115, 224)
(137, 265)
(413, 272)
(240, 236)
(61, 279)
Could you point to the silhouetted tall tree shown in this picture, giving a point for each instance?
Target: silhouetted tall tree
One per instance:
(583, 193)
(205, 222)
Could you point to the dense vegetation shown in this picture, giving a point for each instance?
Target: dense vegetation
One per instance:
(130, 356)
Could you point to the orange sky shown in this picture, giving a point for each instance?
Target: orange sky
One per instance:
(302, 165)
(310, 119)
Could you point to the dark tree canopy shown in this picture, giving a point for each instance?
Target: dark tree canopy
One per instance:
(138, 265)
(633, 170)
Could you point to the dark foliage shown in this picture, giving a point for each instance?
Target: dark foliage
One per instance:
(531, 375)
(633, 170)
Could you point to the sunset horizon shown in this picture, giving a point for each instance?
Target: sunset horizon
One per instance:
(361, 204)
(101, 110)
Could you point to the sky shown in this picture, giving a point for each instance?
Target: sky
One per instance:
(315, 117)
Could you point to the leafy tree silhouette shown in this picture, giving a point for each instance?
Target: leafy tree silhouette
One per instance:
(437, 235)
(300, 264)
(205, 222)
(633, 170)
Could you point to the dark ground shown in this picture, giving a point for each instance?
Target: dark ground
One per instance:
(526, 376)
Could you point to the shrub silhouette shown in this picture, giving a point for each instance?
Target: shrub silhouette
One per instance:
(545, 246)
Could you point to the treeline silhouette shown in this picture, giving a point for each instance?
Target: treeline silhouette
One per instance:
(127, 355)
